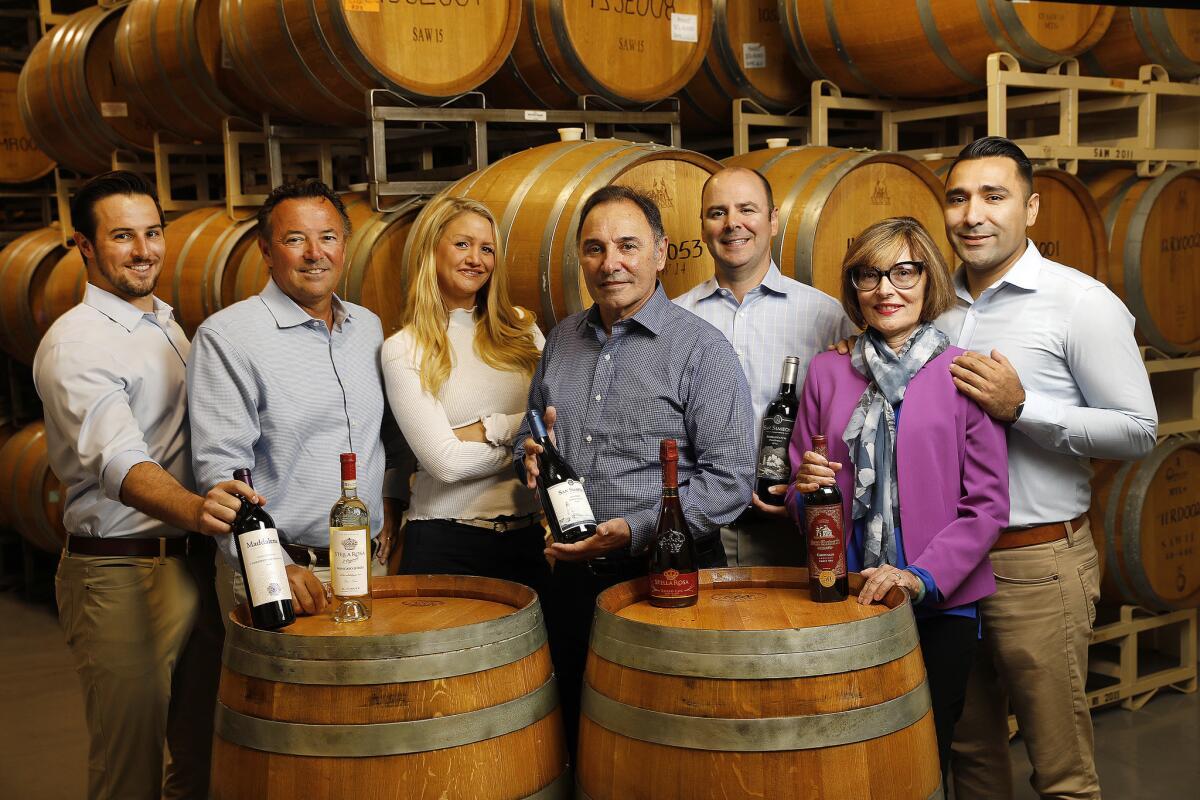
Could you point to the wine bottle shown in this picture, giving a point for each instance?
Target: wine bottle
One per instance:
(563, 498)
(350, 549)
(674, 579)
(777, 424)
(260, 557)
(826, 537)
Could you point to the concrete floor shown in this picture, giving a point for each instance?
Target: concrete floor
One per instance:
(1142, 755)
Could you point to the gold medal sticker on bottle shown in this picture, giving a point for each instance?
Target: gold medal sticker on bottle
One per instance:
(827, 578)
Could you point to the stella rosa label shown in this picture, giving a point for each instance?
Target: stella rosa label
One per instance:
(673, 583)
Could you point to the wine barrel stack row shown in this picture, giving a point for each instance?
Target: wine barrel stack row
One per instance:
(463, 663)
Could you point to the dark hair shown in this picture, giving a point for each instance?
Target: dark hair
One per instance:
(877, 244)
(766, 184)
(299, 190)
(997, 147)
(614, 194)
(118, 182)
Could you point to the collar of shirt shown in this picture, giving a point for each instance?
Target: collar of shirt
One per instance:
(288, 313)
(122, 312)
(652, 316)
(1023, 275)
(772, 282)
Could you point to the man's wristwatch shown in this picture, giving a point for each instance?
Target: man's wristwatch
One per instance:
(1017, 411)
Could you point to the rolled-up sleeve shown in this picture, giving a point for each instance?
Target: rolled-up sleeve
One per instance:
(86, 396)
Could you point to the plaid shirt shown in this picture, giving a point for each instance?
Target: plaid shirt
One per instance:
(663, 373)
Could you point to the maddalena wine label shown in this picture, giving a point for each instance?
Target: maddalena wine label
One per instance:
(266, 573)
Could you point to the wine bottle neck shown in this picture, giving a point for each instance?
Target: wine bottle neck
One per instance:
(670, 477)
(349, 488)
(787, 390)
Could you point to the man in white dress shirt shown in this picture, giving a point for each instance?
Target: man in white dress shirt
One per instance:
(766, 317)
(1056, 358)
(135, 590)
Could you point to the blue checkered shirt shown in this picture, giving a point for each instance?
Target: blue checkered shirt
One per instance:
(779, 317)
(663, 373)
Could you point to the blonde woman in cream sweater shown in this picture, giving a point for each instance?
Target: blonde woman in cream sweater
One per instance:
(457, 376)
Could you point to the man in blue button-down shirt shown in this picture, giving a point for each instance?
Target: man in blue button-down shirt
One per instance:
(613, 382)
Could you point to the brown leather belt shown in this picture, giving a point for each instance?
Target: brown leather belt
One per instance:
(130, 547)
(1038, 534)
(304, 556)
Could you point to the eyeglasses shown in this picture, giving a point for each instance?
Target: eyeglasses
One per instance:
(902, 275)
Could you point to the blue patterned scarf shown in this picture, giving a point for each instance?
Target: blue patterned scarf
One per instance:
(871, 432)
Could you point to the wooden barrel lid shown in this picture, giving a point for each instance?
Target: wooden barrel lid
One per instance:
(1069, 228)
(1169, 37)
(20, 159)
(25, 265)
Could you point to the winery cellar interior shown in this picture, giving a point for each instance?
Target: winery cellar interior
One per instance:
(852, 111)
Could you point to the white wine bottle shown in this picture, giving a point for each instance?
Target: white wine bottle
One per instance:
(350, 550)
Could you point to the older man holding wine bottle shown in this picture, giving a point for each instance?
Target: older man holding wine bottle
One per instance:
(614, 381)
(286, 381)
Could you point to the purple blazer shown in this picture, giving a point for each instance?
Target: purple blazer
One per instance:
(951, 468)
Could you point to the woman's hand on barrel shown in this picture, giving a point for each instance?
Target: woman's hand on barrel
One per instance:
(613, 534)
(816, 471)
(881, 580)
(307, 590)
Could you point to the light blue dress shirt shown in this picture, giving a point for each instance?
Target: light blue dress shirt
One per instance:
(1087, 394)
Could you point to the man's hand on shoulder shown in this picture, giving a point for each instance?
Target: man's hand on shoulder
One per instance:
(844, 346)
(610, 535)
(218, 509)
(992, 382)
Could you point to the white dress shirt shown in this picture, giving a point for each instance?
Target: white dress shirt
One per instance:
(456, 479)
(779, 317)
(1087, 394)
(113, 384)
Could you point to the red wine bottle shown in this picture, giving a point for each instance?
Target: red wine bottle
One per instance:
(826, 536)
(563, 498)
(777, 424)
(260, 557)
(674, 579)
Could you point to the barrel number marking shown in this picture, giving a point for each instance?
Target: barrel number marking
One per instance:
(656, 9)
(1112, 152)
(1048, 249)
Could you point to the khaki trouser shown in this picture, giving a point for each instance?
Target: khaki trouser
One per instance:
(231, 590)
(756, 541)
(148, 664)
(1034, 652)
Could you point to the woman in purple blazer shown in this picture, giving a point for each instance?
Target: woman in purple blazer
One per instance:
(928, 496)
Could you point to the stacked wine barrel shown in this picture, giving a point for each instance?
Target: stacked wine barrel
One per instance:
(21, 161)
(38, 282)
(31, 495)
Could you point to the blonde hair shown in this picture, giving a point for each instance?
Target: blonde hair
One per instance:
(503, 338)
(878, 244)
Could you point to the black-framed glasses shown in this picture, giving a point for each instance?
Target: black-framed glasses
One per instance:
(902, 275)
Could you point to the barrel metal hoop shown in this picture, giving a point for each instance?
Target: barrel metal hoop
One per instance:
(1134, 294)
(187, 55)
(517, 199)
(796, 44)
(785, 208)
(580, 794)
(90, 128)
(810, 217)
(757, 666)
(558, 789)
(86, 105)
(1112, 529)
(122, 60)
(728, 59)
(1162, 42)
(177, 268)
(566, 50)
(302, 65)
(360, 672)
(530, 19)
(939, 47)
(386, 738)
(378, 79)
(1112, 211)
(840, 46)
(819, 639)
(250, 64)
(757, 735)
(37, 516)
(398, 645)
(1144, 593)
(1028, 49)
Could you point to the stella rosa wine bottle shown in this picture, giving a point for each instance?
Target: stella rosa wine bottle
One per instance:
(826, 535)
(260, 557)
(674, 579)
(560, 490)
(777, 424)
(350, 550)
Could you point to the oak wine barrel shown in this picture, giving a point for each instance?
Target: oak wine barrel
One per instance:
(316, 61)
(748, 58)
(537, 195)
(373, 275)
(1169, 37)
(1148, 511)
(25, 266)
(168, 57)
(1069, 227)
(447, 691)
(630, 52)
(30, 491)
(70, 100)
(1153, 227)
(64, 286)
(932, 48)
(756, 691)
(827, 196)
(20, 159)
(7, 431)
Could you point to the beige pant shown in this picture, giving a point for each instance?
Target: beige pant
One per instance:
(1033, 656)
(231, 590)
(753, 541)
(148, 664)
